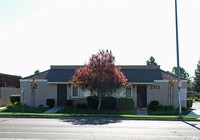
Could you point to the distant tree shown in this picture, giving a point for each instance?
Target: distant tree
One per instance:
(100, 76)
(151, 62)
(183, 74)
(36, 72)
(190, 84)
(197, 78)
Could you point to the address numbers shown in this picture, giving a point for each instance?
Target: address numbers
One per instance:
(155, 87)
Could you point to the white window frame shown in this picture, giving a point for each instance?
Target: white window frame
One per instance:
(78, 93)
(72, 91)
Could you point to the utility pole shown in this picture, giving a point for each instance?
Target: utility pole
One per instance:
(179, 84)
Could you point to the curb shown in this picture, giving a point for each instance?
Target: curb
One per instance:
(102, 117)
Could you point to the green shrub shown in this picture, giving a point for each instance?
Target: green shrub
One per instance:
(92, 102)
(108, 103)
(10, 105)
(40, 106)
(184, 109)
(171, 107)
(82, 106)
(69, 102)
(165, 107)
(125, 103)
(16, 104)
(196, 99)
(50, 103)
(154, 105)
(70, 107)
(14, 98)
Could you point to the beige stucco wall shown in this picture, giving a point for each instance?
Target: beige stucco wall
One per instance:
(43, 92)
(5, 93)
(162, 94)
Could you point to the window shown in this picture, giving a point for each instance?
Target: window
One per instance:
(122, 92)
(75, 91)
(83, 93)
(128, 92)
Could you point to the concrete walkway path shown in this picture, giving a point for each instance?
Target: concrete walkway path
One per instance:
(142, 111)
(54, 110)
(2, 107)
(195, 109)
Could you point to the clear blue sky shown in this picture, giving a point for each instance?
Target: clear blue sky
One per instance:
(37, 34)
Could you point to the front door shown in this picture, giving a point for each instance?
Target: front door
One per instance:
(61, 95)
(141, 96)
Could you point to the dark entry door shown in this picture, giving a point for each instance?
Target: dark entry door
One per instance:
(61, 95)
(141, 96)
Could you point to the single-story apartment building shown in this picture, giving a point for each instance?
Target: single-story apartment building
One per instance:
(9, 85)
(148, 83)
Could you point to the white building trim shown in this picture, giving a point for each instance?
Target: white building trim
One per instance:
(163, 81)
(58, 82)
(141, 83)
(36, 80)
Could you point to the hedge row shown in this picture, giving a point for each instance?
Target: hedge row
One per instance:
(111, 103)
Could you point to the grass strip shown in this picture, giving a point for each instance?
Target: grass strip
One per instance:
(121, 116)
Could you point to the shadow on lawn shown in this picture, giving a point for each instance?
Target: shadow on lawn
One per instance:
(91, 121)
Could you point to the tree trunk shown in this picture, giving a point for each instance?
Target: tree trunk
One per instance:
(100, 99)
(99, 105)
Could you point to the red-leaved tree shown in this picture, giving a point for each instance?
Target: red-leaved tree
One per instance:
(100, 76)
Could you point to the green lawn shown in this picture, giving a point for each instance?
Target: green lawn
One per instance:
(89, 111)
(72, 112)
(118, 112)
(168, 112)
(128, 114)
(25, 110)
(94, 111)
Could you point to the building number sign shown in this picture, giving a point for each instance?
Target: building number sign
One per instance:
(155, 87)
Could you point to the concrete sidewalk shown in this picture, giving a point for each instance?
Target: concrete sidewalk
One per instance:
(195, 109)
(54, 110)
